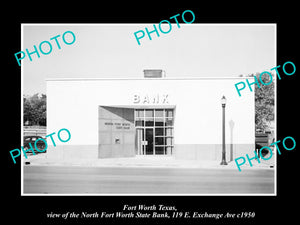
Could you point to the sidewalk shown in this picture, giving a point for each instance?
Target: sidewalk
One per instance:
(144, 161)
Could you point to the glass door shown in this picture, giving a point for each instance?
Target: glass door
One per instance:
(149, 141)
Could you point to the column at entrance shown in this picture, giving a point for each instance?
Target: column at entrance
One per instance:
(140, 141)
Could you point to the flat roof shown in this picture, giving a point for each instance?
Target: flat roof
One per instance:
(134, 106)
(160, 78)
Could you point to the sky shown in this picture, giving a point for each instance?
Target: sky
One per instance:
(111, 51)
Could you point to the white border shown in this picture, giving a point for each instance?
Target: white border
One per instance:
(22, 113)
(275, 114)
(118, 24)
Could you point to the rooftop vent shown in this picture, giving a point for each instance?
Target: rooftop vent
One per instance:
(154, 73)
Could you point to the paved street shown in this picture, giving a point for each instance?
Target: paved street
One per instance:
(135, 180)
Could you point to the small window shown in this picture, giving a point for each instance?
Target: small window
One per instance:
(159, 113)
(149, 122)
(159, 131)
(139, 113)
(169, 112)
(159, 122)
(139, 123)
(159, 140)
(169, 141)
(159, 151)
(169, 131)
(169, 122)
(169, 150)
(149, 113)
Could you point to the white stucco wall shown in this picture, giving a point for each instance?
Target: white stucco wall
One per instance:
(73, 104)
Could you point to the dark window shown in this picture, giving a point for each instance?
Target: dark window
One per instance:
(149, 122)
(159, 140)
(159, 131)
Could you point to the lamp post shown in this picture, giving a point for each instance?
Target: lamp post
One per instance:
(223, 102)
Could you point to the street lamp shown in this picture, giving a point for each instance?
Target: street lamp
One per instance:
(223, 102)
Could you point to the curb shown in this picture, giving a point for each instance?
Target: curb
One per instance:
(185, 165)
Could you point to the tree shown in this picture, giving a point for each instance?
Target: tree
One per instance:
(264, 102)
(35, 109)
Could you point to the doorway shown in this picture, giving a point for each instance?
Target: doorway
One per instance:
(149, 137)
(154, 131)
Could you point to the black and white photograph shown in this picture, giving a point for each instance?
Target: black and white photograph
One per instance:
(171, 116)
(178, 115)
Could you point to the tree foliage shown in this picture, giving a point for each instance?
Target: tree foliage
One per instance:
(35, 109)
(264, 102)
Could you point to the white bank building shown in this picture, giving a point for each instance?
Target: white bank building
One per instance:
(151, 116)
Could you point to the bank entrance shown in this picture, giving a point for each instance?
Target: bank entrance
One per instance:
(154, 131)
